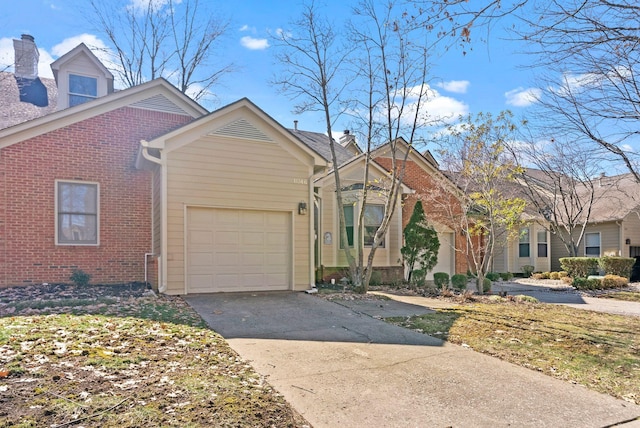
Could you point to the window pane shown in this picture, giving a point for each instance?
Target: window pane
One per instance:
(77, 229)
(74, 100)
(77, 213)
(542, 236)
(83, 85)
(524, 250)
(348, 220)
(542, 250)
(592, 239)
(373, 215)
(524, 235)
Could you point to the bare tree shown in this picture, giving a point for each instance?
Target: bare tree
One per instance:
(176, 40)
(586, 52)
(478, 162)
(386, 78)
(590, 57)
(559, 185)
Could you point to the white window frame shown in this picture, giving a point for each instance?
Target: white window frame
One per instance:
(527, 242)
(364, 226)
(592, 246)
(545, 243)
(77, 94)
(58, 183)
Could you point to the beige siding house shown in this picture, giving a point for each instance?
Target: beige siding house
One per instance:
(332, 254)
(232, 196)
(531, 248)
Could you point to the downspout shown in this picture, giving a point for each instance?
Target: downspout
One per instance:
(312, 232)
(161, 284)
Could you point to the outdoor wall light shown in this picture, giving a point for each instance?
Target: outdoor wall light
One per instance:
(302, 208)
(627, 241)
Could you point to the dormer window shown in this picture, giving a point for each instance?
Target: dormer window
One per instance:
(82, 89)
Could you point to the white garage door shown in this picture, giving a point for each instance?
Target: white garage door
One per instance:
(237, 250)
(446, 255)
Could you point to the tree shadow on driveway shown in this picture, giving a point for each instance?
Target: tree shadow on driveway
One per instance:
(300, 316)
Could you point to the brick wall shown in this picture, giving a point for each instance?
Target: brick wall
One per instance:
(101, 149)
(439, 203)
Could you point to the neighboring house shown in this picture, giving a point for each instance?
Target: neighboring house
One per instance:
(440, 200)
(612, 228)
(70, 195)
(614, 224)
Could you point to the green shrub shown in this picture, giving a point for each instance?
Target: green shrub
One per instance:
(580, 267)
(459, 281)
(563, 274)
(614, 281)
(587, 283)
(620, 266)
(80, 277)
(554, 275)
(527, 270)
(441, 279)
(493, 276)
(506, 276)
(418, 277)
(486, 285)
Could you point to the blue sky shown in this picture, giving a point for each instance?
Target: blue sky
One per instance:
(488, 78)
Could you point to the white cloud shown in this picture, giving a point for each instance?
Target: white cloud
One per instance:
(522, 97)
(7, 58)
(434, 108)
(6, 54)
(455, 86)
(253, 43)
(245, 27)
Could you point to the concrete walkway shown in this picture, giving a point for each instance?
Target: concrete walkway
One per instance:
(340, 366)
(568, 296)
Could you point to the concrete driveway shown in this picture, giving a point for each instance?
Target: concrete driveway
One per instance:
(339, 365)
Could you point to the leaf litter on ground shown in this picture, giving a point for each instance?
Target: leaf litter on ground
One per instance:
(121, 356)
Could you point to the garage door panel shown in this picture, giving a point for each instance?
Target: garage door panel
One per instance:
(276, 239)
(254, 238)
(238, 250)
(226, 237)
(225, 259)
(200, 259)
(253, 259)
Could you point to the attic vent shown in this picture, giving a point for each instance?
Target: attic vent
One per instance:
(241, 129)
(159, 103)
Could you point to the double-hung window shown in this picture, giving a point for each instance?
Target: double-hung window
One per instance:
(373, 215)
(348, 219)
(592, 244)
(524, 248)
(542, 243)
(82, 89)
(77, 213)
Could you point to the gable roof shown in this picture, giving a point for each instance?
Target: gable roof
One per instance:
(319, 143)
(80, 50)
(614, 198)
(158, 95)
(239, 128)
(24, 99)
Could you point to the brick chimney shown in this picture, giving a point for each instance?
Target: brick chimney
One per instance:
(26, 57)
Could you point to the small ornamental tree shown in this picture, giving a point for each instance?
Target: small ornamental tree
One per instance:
(421, 243)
